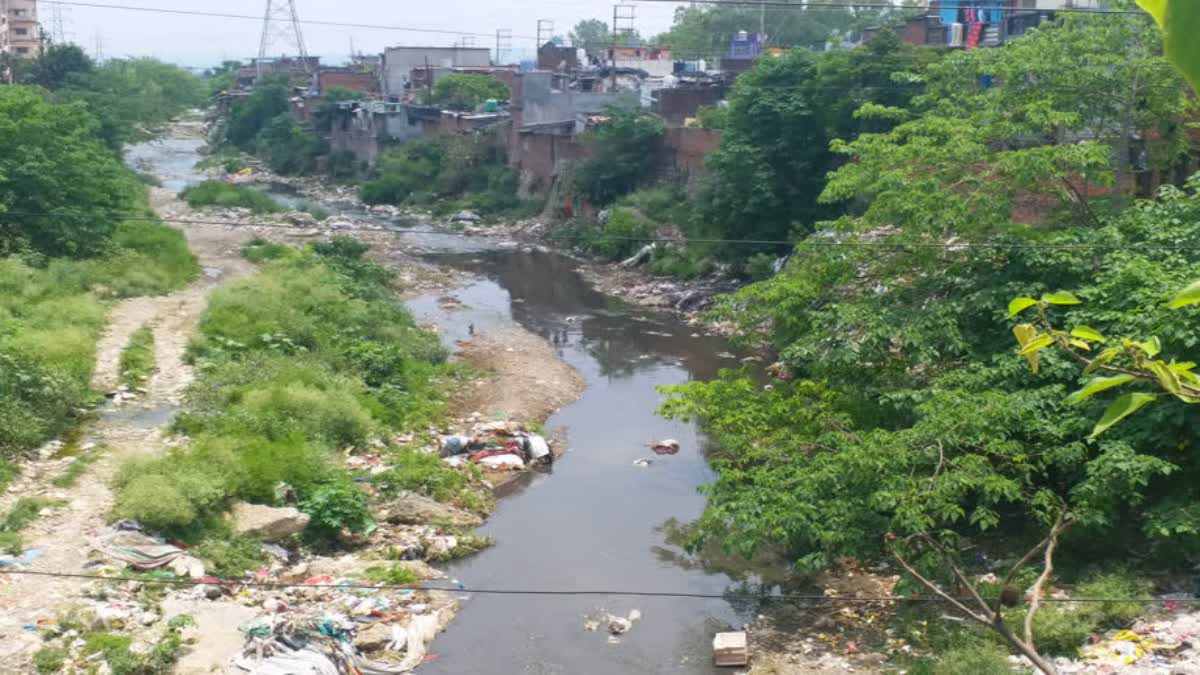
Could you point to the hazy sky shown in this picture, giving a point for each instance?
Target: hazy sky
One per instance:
(198, 41)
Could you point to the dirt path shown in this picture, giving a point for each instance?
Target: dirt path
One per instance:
(62, 535)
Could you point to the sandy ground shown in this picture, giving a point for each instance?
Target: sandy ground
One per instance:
(525, 379)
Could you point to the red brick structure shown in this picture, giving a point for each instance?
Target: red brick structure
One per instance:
(354, 80)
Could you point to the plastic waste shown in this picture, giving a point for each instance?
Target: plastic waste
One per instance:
(539, 449)
(505, 461)
(668, 446)
(454, 445)
(24, 559)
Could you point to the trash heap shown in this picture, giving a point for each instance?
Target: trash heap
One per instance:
(498, 446)
(333, 629)
(1166, 643)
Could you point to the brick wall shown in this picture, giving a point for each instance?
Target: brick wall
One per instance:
(366, 83)
(686, 147)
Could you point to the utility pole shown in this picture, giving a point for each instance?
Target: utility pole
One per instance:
(504, 43)
(281, 25)
(58, 32)
(428, 82)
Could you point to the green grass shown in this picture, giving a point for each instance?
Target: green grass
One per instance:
(467, 545)
(137, 359)
(228, 195)
(52, 314)
(49, 660)
(75, 470)
(295, 364)
(259, 251)
(24, 512)
(391, 575)
(230, 556)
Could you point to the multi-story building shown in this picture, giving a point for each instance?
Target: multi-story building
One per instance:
(19, 31)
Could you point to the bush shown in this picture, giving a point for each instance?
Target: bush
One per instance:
(680, 264)
(978, 659)
(49, 660)
(391, 575)
(230, 557)
(623, 154)
(334, 507)
(623, 234)
(156, 502)
(1057, 631)
(228, 195)
(288, 149)
(260, 250)
(1117, 584)
(422, 472)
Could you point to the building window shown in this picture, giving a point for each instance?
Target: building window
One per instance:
(21, 31)
(22, 50)
(18, 12)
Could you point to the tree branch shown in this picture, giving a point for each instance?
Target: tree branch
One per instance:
(1036, 601)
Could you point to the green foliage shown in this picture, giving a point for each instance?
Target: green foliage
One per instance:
(976, 659)
(24, 512)
(451, 172)
(466, 545)
(1179, 21)
(679, 264)
(467, 91)
(712, 117)
(623, 150)
(137, 359)
(260, 250)
(766, 176)
(223, 78)
(75, 470)
(334, 507)
(421, 472)
(60, 65)
(624, 233)
(308, 357)
(590, 35)
(230, 557)
(228, 195)
(253, 113)
(49, 660)
(1121, 583)
(391, 575)
(62, 192)
(326, 108)
(287, 148)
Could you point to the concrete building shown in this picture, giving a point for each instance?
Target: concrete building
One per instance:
(21, 35)
(398, 63)
(968, 24)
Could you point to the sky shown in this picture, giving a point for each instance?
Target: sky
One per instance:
(202, 41)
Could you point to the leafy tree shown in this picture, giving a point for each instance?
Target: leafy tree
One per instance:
(765, 177)
(1179, 20)
(622, 153)
(251, 114)
(463, 91)
(58, 66)
(287, 148)
(591, 35)
(222, 78)
(61, 191)
(323, 115)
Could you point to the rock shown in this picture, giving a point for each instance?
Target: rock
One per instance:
(212, 592)
(465, 216)
(187, 566)
(268, 523)
(299, 218)
(619, 625)
(414, 509)
(374, 637)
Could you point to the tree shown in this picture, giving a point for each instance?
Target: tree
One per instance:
(623, 152)
(251, 114)
(61, 191)
(323, 115)
(591, 35)
(58, 66)
(288, 149)
(463, 91)
(766, 176)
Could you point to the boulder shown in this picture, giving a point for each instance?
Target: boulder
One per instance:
(413, 509)
(465, 216)
(299, 218)
(268, 523)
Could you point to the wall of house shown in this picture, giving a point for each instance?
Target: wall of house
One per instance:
(677, 104)
(398, 62)
(24, 37)
(355, 81)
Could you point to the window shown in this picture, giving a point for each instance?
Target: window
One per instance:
(21, 31)
(18, 12)
(22, 50)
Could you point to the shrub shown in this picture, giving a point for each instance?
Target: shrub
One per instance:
(230, 557)
(421, 472)
(334, 507)
(156, 501)
(228, 195)
(1117, 584)
(260, 250)
(391, 575)
(288, 149)
(622, 235)
(623, 153)
(681, 264)
(1057, 631)
(978, 659)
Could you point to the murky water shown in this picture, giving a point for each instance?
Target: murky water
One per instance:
(596, 522)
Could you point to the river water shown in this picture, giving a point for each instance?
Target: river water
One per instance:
(596, 521)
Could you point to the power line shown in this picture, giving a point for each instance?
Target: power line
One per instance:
(258, 19)
(755, 4)
(810, 241)
(559, 592)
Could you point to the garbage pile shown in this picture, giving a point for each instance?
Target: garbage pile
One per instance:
(499, 446)
(1168, 643)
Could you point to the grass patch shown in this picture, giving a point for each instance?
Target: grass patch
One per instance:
(391, 575)
(295, 364)
(228, 195)
(8, 473)
(75, 470)
(313, 209)
(259, 250)
(230, 557)
(24, 512)
(49, 660)
(137, 359)
(467, 545)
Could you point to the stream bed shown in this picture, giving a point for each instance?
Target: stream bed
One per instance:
(596, 521)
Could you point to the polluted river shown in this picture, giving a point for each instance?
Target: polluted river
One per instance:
(598, 520)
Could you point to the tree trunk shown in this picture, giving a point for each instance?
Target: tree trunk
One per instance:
(1026, 650)
(1122, 165)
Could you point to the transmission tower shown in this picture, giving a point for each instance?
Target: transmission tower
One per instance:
(545, 32)
(281, 27)
(503, 43)
(58, 20)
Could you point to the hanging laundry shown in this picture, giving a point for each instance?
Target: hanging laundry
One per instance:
(973, 34)
(956, 35)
